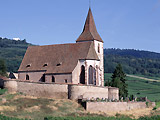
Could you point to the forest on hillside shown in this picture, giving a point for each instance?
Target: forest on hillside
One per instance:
(12, 52)
(133, 61)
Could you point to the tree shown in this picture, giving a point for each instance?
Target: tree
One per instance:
(3, 68)
(119, 81)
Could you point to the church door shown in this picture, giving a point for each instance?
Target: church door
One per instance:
(82, 75)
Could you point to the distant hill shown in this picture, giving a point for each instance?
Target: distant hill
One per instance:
(132, 53)
(12, 51)
(133, 61)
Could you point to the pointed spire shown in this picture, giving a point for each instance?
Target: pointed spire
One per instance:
(89, 31)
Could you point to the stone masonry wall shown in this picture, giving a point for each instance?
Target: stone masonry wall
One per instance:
(114, 106)
(78, 92)
(58, 91)
(113, 93)
(11, 85)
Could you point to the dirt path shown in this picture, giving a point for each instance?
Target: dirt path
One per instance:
(148, 79)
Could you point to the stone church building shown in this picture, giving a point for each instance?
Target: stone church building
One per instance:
(73, 63)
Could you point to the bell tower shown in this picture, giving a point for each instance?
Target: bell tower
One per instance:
(90, 33)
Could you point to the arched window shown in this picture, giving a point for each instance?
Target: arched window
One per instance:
(98, 48)
(92, 75)
(53, 79)
(82, 75)
(27, 77)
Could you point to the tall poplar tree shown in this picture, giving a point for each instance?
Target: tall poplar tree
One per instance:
(119, 81)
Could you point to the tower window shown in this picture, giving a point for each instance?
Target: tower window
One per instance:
(27, 77)
(98, 48)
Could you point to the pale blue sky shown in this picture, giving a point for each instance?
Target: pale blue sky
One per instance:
(121, 23)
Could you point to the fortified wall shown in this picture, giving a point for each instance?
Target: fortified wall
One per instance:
(61, 91)
(75, 92)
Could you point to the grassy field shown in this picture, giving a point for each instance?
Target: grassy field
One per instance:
(20, 106)
(141, 87)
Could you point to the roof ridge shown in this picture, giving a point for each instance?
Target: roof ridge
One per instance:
(57, 44)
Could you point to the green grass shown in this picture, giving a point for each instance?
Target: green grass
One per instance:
(2, 117)
(157, 105)
(156, 117)
(141, 87)
(2, 91)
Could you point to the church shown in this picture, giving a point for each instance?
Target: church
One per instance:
(78, 63)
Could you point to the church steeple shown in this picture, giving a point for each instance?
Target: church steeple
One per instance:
(89, 31)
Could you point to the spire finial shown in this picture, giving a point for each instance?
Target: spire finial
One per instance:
(89, 3)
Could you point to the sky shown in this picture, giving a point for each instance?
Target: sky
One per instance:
(125, 24)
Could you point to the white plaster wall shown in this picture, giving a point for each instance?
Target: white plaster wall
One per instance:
(100, 55)
(76, 74)
(93, 63)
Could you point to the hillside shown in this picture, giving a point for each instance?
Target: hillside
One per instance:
(12, 52)
(133, 53)
(140, 86)
(133, 61)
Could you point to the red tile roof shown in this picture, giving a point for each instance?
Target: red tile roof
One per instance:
(60, 58)
(89, 31)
